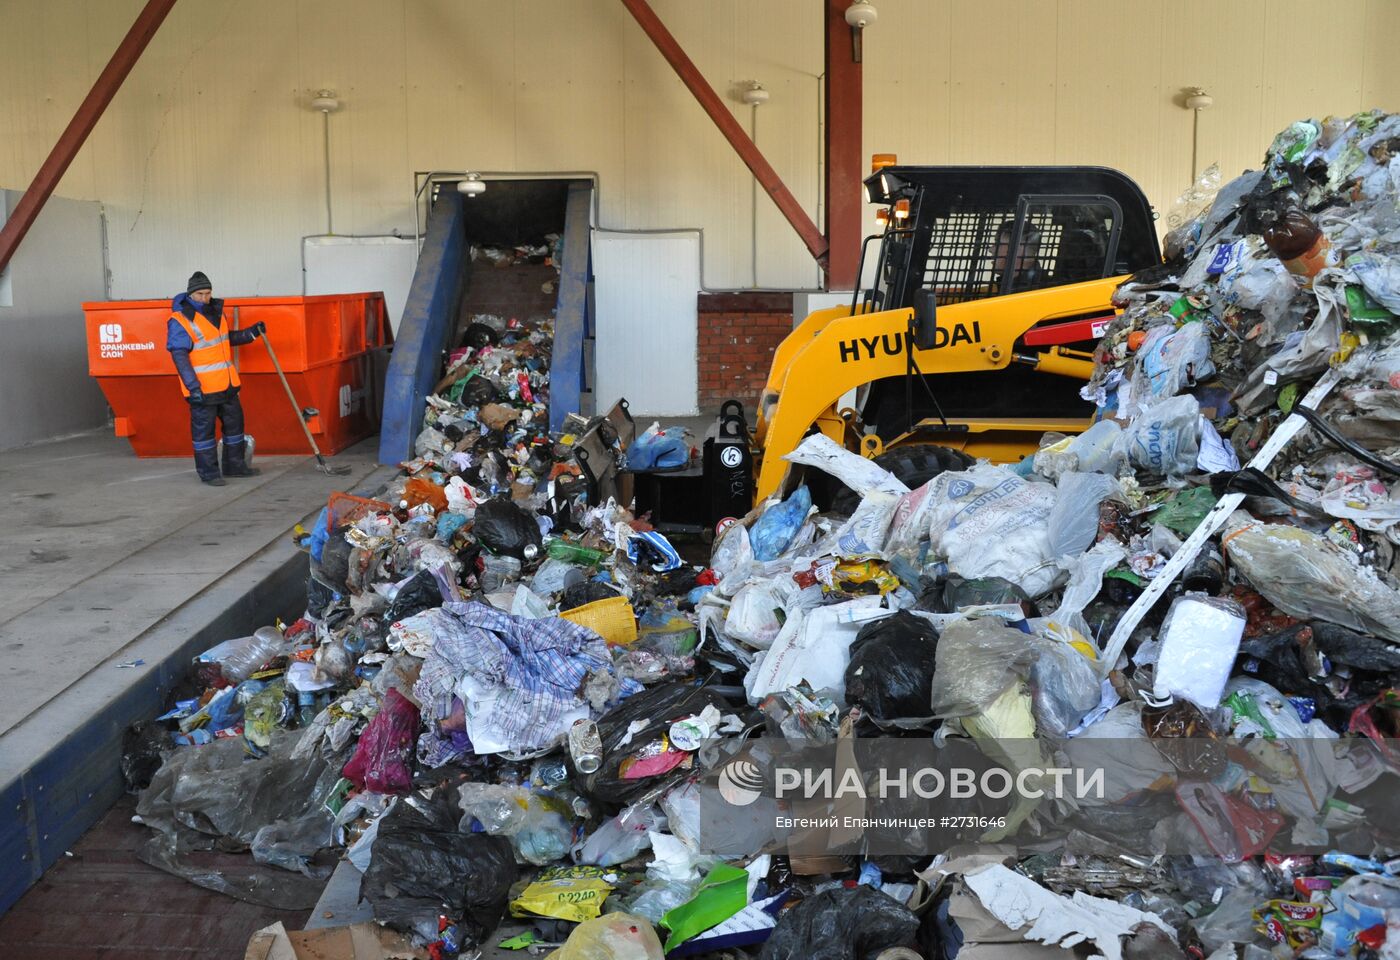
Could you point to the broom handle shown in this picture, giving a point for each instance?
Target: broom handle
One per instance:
(296, 410)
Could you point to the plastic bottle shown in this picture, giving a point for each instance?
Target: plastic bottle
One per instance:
(252, 653)
(498, 572)
(574, 553)
(1298, 242)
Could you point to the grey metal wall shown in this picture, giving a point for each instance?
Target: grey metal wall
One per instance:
(45, 390)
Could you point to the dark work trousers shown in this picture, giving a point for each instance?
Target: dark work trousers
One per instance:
(228, 411)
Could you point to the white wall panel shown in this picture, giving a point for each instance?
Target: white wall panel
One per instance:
(645, 291)
(362, 265)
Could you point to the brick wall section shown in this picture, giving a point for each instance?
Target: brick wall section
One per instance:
(737, 336)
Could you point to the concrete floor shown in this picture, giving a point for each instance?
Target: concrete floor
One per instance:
(97, 546)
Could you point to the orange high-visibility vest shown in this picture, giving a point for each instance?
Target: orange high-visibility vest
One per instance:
(211, 357)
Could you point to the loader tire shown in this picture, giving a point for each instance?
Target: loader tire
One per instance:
(914, 466)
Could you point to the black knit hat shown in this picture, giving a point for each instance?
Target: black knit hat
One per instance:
(198, 281)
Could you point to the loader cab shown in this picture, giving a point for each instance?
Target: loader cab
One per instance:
(972, 233)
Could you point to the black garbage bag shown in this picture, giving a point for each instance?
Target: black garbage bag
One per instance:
(419, 594)
(335, 561)
(1292, 659)
(891, 669)
(478, 392)
(320, 597)
(421, 866)
(479, 335)
(842, 924)
(144, 746)
(503, 527)
(579, 594)
(1356, 650)
(659, 706)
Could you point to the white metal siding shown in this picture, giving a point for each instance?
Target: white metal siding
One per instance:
(645, 292)
(209, 159)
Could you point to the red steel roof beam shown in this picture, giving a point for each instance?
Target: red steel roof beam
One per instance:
(76, 134)
(709, 101)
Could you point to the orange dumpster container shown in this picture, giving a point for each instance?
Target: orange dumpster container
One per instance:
(333, 350)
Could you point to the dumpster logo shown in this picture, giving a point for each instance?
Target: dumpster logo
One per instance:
(350, 400)
(111, 344)
(741, 782)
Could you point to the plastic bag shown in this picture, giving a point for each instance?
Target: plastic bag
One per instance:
(422, 866)
(778, 527)
(756, 615)
(813, 646)
(1380, 275)
(215, 791)
(957, 593)
(1172, 360)
(658, 449)
(503, 527)
(1119, 746)
(1200, 639)
(554, 576)
(144, 746)
(655, 709)
(841, 924)
(1074, 520)
(620, 838)
(723, 893)
(891, 668)
(1184, 512)
(540, 826)
(862, 475)
(1164, 438)
(617, 936)
(381, 760)
(1306, 575)
(420, 593)
(989, 522)
(1065, 688)
(977, 661)
(1232, 921)
(732, 551)
(865, 532)
(1086, 575)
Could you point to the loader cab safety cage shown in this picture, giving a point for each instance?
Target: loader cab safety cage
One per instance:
(971, 233)
(975, 232)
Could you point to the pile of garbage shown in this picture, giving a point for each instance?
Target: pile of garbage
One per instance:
(507, 704)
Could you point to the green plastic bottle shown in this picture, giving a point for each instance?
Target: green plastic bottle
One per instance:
(573, 553)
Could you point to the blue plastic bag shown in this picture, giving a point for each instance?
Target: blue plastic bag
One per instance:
(319, 536)
(659, 451)
(449, 523)
(776, 529)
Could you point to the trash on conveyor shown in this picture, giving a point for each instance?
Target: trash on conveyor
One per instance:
(511, 701)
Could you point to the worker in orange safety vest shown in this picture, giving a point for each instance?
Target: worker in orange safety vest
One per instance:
(201, 345)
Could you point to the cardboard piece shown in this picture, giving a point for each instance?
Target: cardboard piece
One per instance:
(359, 941)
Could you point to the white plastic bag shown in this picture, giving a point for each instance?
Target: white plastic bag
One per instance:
(732, 553)
(1163, 438)
(989, 522)
(864, 534)
(1074, 520)
(861, 475)
(813, 646)
(753, 616)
